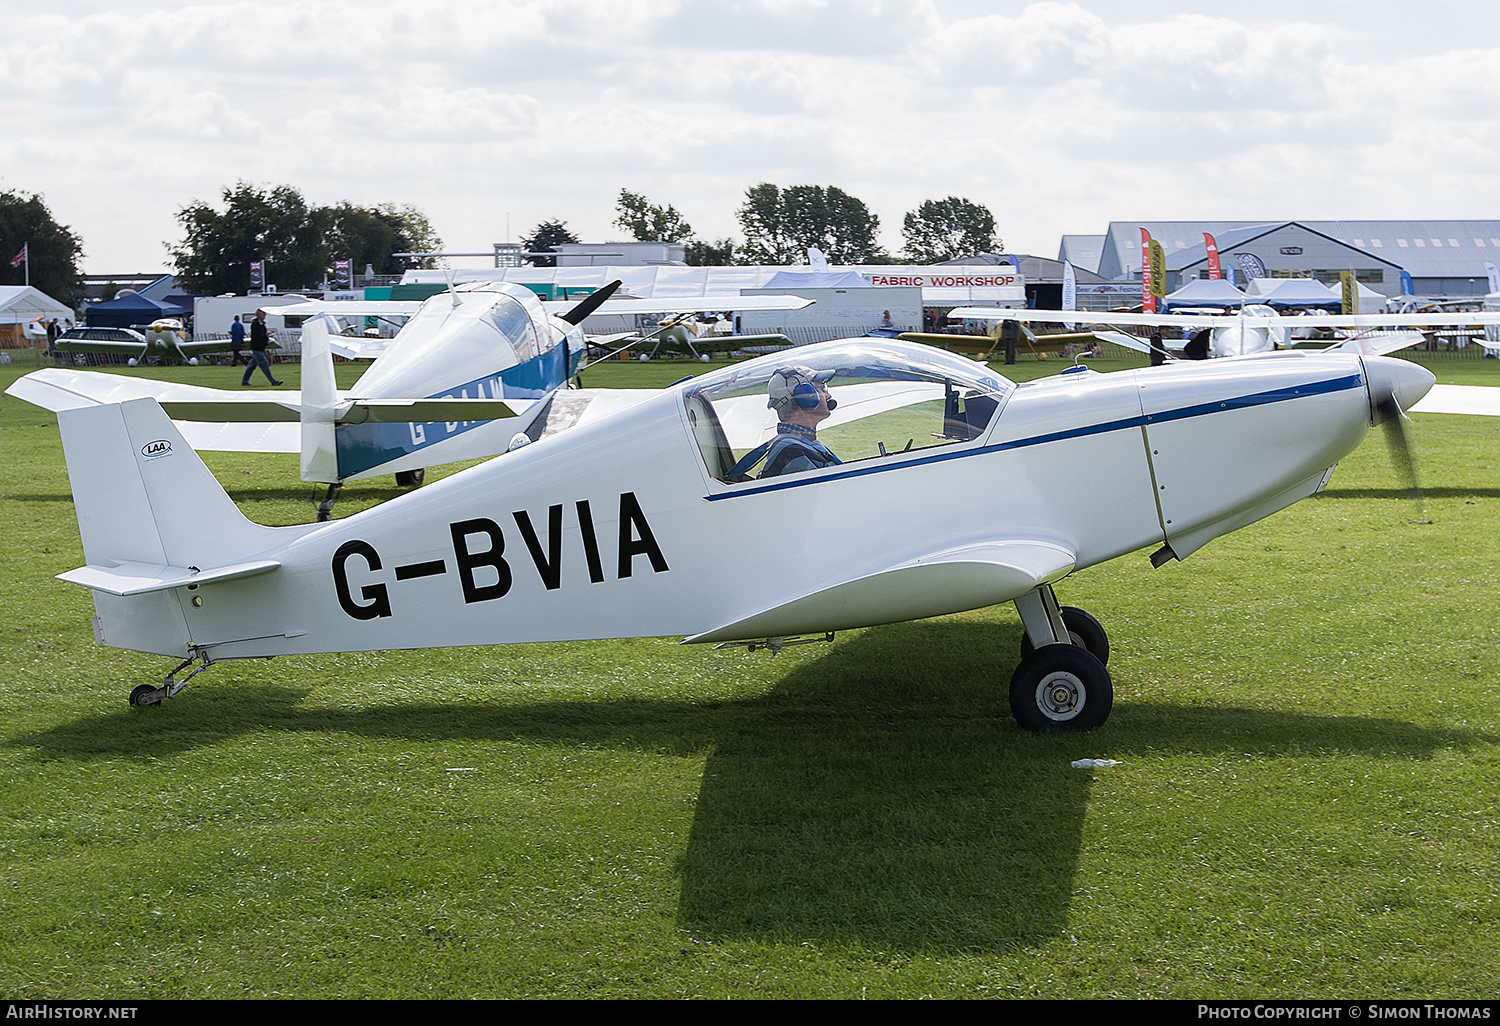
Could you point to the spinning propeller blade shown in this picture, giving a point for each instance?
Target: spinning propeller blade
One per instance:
(1386, 395)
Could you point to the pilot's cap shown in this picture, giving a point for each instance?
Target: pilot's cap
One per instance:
(784, 385)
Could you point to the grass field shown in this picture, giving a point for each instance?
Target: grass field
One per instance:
(1307, 719)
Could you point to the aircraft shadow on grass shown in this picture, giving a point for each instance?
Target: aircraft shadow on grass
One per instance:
(880, 794)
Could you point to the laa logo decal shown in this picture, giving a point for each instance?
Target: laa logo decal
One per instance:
(157, 449)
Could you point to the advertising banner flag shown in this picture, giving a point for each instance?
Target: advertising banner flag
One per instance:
(1213, 257)
(257, 275)
(1069, 291)
(1148, 301)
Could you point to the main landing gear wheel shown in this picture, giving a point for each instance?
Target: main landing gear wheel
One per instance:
(410, 478)
(1086, 631)
(147, 695)
(1061, 687)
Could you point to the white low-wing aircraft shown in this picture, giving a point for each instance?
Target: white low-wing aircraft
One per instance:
(163, 339)
(950, 488)
(473, 367)
(1256, 329)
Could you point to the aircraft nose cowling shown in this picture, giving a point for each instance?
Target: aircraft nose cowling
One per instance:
(1390, 379)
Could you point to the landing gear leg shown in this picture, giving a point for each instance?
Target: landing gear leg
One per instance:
(1061, 682)
(148, 695)
(325, 508)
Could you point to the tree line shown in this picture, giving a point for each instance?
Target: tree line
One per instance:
(298, 242)
(781, 224)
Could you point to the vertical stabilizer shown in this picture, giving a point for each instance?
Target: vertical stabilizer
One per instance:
(320, 461)
(142, 495)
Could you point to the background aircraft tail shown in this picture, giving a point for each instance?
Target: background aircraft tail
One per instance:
(320, 458)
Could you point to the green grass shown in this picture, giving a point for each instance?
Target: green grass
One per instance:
(1308, 801)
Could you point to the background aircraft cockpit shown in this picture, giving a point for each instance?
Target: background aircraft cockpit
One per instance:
(889, 400)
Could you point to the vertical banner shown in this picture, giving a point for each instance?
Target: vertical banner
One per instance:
(1494, 274)
(257, 276)
(342, 276)
(1213, 257)
(1158, 274)
(1406, 286)
(1351, 293)
(1148, 301)
(1069, 291)
(1251, 265)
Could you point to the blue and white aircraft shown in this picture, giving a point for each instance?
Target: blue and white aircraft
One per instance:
(472, 368)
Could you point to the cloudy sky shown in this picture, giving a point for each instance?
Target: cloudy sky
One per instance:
(493, 115)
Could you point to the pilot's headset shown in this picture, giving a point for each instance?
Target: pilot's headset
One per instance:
(796, 385)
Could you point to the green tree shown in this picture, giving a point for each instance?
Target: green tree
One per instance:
(371, 235)
(947, 229)
(780, 224)
(275, 226)
(52, 250)
(710, 254)
(298, 242)
(544, 238)
(648, 222)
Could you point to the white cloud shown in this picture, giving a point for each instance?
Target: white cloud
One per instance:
(1058, 116)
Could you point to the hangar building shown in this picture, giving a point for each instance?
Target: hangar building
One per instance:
(1441, 258)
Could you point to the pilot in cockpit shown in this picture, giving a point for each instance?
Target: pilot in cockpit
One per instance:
(801, 401)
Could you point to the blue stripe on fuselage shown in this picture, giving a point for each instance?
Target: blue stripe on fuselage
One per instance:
(363, 447)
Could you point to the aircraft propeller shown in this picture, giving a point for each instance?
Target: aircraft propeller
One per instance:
(1388, 411)
(590, 303)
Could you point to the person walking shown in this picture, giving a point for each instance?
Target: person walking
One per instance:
(259, 339)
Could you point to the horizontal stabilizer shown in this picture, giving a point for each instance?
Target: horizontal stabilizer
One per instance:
(140, 578)
(57, 389)
(968, 577)
(430, 411)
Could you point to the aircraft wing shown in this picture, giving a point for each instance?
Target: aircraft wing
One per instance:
(1479, 400)
(965, 577)
(684, 304)
(1378, 344)
(348, 308)
(991, 313)
(87, 345)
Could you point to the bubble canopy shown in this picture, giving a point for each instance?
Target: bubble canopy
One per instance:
(805, 409)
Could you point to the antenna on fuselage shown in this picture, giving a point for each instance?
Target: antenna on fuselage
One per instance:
(451, 290)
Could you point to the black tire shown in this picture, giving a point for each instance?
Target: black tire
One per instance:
(410, 478)
(1061, 687)
(1086, 631)
(145, 695)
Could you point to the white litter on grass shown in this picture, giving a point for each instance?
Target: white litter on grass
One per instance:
(1095, 763)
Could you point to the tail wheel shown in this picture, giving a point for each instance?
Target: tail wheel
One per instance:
(1061, 687)
(1085, 631)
